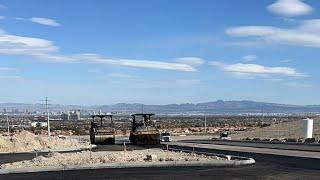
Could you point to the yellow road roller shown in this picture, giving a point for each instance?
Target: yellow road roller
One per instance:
(102, 132)
(143, 131)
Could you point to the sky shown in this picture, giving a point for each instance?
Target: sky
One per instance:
(159, 52)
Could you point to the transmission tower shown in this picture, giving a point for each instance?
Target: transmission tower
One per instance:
(47, 114)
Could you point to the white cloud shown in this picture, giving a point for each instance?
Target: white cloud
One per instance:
(249, 58)
(274, 35)
(290, 8)
(45, 21)
(54, 58)
(306, 33)
(2, 17)
(252, 70)
(120, 75)
(311, 26)
(12, 44)
(151, 64)
(46, 51)
(193, 61)
(28, 46)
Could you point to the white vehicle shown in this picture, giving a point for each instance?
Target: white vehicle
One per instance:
(165, 137)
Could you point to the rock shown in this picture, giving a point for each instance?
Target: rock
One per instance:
(169, 159)
(151, 157)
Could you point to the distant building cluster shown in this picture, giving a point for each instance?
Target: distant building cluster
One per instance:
(71, 116)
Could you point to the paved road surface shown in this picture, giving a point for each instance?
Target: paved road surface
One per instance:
(288, 146)
(262, 170)
(267, 167)
(252, 150)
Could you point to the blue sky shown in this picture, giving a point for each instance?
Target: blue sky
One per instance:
(160, 52)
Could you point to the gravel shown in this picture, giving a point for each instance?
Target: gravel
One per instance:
(56, 159)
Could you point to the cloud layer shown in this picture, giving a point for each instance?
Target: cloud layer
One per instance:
(193, 61)
(306, 33)
(45, 21)
(46, 51)
(300, 36)
(252, 70)
(290, 8)
(95, 58)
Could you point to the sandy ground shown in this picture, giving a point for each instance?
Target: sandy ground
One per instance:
(56, 159)
(282, 130)
(25, 141)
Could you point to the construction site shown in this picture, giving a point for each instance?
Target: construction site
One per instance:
(142, 142)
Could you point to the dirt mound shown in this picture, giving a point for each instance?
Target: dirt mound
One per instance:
(25, 141)
(85, 157)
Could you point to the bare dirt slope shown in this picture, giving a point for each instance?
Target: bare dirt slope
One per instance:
(25, 141)
(290, 129)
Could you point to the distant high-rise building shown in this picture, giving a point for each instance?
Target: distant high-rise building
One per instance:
(75, 115)
(65, 116)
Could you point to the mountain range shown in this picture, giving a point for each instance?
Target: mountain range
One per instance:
(214, 107)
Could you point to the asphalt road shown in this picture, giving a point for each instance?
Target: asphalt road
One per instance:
(262, 170)
(266, 167)
(288, 146)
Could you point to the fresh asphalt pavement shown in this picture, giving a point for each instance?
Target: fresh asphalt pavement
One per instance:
(262, 170)
(270, 145)
(265, 168)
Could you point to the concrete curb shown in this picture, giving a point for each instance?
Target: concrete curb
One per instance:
(214, 163)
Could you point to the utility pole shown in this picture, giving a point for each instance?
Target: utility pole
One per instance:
(205, 123)
(8, 124)
(47, 113)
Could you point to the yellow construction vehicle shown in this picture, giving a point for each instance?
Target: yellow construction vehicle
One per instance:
(143, 132)
(100, 132)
